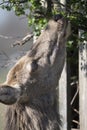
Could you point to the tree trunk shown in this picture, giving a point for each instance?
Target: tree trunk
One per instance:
(83, 83)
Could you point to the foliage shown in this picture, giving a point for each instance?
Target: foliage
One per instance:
(40, 11)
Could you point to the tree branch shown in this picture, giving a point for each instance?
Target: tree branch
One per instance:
(23, 41)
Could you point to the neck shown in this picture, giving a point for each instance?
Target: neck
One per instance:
(37, 115)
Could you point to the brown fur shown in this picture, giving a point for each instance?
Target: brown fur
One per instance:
(34, 116)
(31, 85)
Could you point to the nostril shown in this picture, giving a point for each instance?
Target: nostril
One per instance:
(57, 17)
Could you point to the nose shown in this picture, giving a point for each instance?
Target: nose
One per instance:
(8, 95)
(57, 17)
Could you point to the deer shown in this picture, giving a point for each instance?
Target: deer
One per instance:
(30, 90)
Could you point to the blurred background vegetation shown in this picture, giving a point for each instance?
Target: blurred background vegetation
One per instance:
(39, 12)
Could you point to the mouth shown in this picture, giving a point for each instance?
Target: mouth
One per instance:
(64, 26)
(9, 95)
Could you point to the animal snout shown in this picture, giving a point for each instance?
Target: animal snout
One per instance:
(8, 95)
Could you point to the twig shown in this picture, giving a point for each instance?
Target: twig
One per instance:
(76, 122)
(75, 110)
(23, 41)
(75, 95)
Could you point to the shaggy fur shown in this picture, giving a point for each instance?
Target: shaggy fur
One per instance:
(40, 114)
(30, 90)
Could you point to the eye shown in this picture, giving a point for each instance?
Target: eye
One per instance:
(15, 76)
(33, 66)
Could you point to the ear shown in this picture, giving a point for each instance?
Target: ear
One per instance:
(32, 66)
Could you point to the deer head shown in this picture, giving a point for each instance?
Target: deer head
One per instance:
(38, 72)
